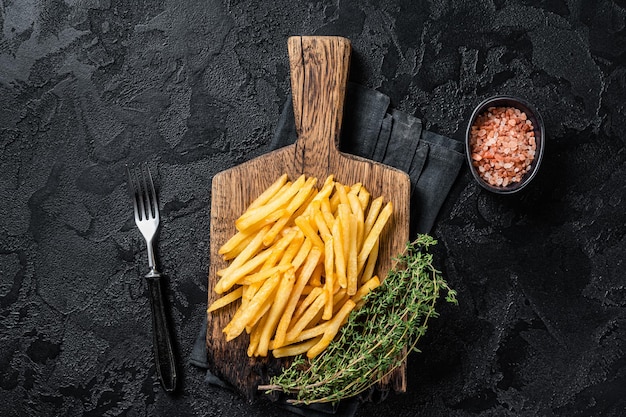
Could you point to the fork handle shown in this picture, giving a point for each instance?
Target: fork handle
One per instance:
(163, 346)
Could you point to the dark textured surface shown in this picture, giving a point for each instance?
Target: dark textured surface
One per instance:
(194, 87)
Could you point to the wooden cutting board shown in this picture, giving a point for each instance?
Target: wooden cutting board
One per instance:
(319, 73)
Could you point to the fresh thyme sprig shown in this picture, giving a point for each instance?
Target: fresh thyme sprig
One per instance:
(377, 337)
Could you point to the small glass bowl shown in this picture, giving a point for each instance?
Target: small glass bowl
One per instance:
(538, 127)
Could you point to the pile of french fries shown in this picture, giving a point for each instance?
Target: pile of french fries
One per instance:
(301, 260)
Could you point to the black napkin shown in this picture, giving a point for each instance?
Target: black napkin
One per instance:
(374, 131)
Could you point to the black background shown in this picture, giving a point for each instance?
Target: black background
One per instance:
(196, 86)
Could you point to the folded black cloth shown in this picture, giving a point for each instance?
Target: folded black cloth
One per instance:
(374, 131)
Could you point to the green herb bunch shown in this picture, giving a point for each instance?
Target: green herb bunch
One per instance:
(377, 338)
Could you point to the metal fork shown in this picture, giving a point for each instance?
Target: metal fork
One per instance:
(146, 210)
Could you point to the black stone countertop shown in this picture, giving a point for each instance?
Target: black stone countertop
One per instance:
(194, 87)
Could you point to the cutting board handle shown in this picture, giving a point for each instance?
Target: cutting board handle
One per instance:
(319, 75)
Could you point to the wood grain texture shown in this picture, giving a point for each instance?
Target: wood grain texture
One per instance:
(319, 73)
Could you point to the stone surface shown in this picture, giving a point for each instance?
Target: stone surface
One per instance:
(194, 87)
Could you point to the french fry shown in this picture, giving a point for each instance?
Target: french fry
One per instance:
(316, 277)
(352, 265)
(334, 201)
(329, 181)
(241, 318)
(302, 254)
(368, 286)
(327, 212)
(247, 253)
(293, 205)
(364, 198)
(310, 333)
(305, 206)
(233, 253)
(250, 217)
(269, 218)
(357, 211)
(260, 315)
(374, 234)
(339, 299)
(246, 289)
(340, 260)
(311, 296)
(226, 299)
(286, 188)
(321, 225)
(250, 290)
(307, 317)
(255, 336)
(331, 330)
(306, 291)
(304, 223)
(264, 274)
(276, 228)
(233, 242)
(355, 188)
(301, 280)
(279, 248)
(326, 190)
(278, 305)
(343, 213)
(343, 195)
(227, 281)
(372, 214)
(329, 284)
(293, 249)
(269, 192)
(295, 349)
(368, 272)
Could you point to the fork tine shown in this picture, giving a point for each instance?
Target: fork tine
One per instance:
(132, 188)
(155, 204)
(140, 193)
(145, 192)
